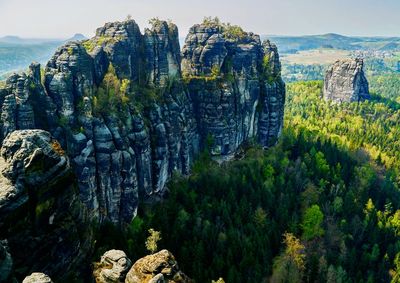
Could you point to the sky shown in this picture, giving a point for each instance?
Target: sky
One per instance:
(62, 19)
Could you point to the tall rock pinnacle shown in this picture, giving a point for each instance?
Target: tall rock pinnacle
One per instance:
(345, 81)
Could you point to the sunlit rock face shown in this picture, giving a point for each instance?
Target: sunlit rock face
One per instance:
(345, 81)
(130, 109)
(235, 85)
(157, 268)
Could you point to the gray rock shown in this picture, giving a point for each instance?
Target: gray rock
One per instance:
(37, 278)
(345, 81)
(235, 96)
(270, 118)
(122, 42)
(162, 53)
(112, 268)
(127, 155)
(40, 211)
(28, 159)
(223, 89)
(33, 158)
(156, 268)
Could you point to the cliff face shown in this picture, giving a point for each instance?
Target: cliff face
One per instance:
(345, 81)
(41, 217)
(235, 85)
(127, 120)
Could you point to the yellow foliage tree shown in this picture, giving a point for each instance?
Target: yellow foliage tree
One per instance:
(152, 240)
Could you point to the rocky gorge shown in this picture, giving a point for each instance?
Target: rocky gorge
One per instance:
(104, 125)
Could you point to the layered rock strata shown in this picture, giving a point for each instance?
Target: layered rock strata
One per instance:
(345, 81)
(129, 109)
(235, 85)
(41, 216)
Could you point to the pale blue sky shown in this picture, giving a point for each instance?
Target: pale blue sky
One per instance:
(55, 18)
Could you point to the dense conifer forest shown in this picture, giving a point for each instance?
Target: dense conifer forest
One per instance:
(320, 206)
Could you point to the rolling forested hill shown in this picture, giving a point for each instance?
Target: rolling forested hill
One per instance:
(290, 44)
(17, 53)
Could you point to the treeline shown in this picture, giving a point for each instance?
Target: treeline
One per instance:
(370, 126)
(300, 72)
(387, 86)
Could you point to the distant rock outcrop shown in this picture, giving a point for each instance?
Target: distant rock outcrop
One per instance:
(345, 81)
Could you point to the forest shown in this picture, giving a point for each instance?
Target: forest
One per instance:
(322, 205)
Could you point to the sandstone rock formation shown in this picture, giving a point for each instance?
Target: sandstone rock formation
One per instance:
(41, 216)
(235, 85)
(160, 267)
(127, 120)
(112, 268)
(345, 81)
(37, 278)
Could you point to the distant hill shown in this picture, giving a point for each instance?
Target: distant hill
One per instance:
(11, 39)
(292, 44)
(77, 36)
(17, 53)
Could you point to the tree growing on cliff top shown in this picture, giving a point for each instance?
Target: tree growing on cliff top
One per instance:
(154, 22)
(211, 22)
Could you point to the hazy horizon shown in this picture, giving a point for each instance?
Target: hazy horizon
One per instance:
(62, 19)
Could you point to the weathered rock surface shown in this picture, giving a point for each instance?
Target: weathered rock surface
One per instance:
(154, 123)
(345, 81)
(41, 216)
(162, 53)
(112, 268)
(160, 267)
(37, 278)
(235, 85)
